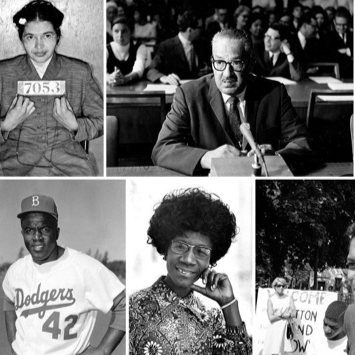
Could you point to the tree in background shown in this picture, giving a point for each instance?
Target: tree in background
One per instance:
(300, 222)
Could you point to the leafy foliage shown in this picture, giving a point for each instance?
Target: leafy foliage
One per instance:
(294, 218)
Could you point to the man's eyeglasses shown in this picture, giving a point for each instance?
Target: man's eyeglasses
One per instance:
(48, 37)
(271, 37)
(182, 248)
(283, 286)
(220, 65)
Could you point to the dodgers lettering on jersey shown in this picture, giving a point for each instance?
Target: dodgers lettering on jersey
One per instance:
(44, 299)
(56, 303)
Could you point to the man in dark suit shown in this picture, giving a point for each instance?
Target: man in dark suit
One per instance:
(274, 56)
(198, 127)
(305, 43)
(341, 43)
(222, 20)
(185, 56)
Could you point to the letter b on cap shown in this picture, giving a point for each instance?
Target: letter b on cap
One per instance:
(35, 200)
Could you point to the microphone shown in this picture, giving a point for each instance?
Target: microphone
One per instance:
(246, 132)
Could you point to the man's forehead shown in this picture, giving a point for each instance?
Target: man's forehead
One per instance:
(227, 44)
(37, 216)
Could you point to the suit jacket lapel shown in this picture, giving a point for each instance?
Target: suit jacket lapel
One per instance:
(180, 53)
(52, 69)
(28, 70)
(218, 107)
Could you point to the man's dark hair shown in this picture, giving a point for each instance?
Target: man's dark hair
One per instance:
(306, 18)
(187, 19)
(281, 29)
(342, 12)
(240, 35)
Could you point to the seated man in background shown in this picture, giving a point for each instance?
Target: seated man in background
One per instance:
(341, 43)
(222, 20)
(274, 57)
(185, 56)
(206, 113)
(306, 44)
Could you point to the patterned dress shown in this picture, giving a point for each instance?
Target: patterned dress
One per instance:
(162, 323)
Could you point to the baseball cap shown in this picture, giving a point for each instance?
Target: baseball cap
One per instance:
(38, 203)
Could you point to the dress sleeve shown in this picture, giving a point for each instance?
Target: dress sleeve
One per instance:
(227, 339)
(139, 64)
(91, 123)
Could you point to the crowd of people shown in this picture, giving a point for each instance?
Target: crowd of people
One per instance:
(289, 38)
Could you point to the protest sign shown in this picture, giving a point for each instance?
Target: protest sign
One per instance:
(310, 306)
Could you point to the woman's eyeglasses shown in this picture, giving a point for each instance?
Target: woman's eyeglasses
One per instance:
(283, 286)
(182, 248)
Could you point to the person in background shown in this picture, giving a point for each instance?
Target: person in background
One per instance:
(297, 12)
(333, 330)
(125, 60)
(341, 43)
(280, 308)
(271, 17)
(286, 20)
(306, 45)
(111, 14)
(143, 30)
(322, 22)
(275, 57)
(241, 17)
(330, 10)
(221, 20)
(257, 29)
(185, 56)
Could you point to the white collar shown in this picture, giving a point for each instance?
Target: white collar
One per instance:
(301, 37)
(184, 41)
(41, 69)
(240, 96)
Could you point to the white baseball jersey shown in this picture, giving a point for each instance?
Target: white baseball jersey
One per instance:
(56, 303)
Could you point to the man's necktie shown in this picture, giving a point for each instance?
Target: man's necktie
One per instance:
(235, 121)
(192, 59)
(271, 62)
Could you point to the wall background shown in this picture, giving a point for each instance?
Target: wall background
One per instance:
(82, 31)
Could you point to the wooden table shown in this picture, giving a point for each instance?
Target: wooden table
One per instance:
(329, 169)
(299, 92)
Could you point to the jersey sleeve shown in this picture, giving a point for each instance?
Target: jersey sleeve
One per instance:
(101, 287)
(6, 286)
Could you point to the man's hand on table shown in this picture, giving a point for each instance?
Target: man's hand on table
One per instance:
(171, 79)
(225, 151)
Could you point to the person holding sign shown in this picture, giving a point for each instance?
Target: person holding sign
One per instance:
(192, 229)
(49, 103)
(280, 309)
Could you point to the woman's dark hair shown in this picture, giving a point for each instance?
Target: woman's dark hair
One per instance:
(39, 10)
(192, 210)
(129, 22)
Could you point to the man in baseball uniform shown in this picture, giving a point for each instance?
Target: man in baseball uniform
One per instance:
(52, 295)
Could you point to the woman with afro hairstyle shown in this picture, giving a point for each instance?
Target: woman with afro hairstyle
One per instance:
(192, 229)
